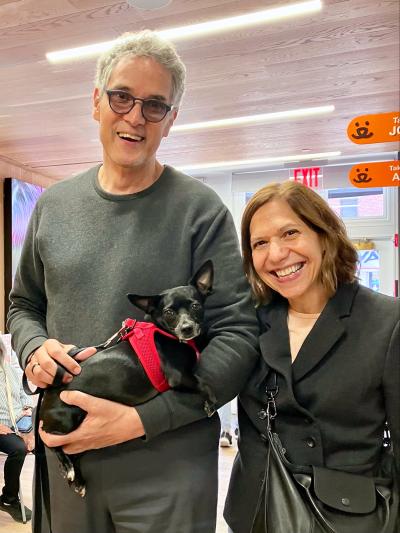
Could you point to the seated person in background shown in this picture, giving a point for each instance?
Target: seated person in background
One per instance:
(16, 445)
(333, 346)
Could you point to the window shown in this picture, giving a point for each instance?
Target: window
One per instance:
(356, 203)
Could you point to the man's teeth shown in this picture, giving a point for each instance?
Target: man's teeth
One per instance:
(129, 137)
(289, 270)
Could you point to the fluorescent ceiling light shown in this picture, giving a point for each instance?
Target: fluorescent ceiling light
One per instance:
(51, 100)
(195, 30)
(254, 119)
(221, 165)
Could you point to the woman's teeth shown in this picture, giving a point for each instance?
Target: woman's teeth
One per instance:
(289, 270)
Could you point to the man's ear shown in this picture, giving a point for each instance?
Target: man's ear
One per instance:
(145, 303)
(96, 104)
(170, 122)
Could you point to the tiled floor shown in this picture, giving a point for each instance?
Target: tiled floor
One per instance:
(7, 524)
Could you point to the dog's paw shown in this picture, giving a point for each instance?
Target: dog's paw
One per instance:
(71, 475)
(81, 490)
(67, 472)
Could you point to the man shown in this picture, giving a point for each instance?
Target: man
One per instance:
(14, 404)
(132, 225)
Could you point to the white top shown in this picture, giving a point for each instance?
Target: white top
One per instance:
(19, 398)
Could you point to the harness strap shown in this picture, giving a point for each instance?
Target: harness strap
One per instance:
(141, 337)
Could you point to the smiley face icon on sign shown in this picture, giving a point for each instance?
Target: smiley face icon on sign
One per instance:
(362, 132)
(362, 176)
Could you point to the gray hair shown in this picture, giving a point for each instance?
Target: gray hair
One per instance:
(148, 44)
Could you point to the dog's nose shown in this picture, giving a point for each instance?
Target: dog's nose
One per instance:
(186, 330)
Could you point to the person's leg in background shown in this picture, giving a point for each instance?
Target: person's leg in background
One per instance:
(16, 452)
(225, 415)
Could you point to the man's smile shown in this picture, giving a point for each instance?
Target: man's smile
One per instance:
(129, 137)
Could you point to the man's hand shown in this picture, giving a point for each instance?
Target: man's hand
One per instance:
(29, 439)
(106, 423)
(5, 430)
(41, 368)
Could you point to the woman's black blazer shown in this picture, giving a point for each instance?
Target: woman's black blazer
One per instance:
(332, 402)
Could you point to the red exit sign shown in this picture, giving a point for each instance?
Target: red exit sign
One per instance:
(308, 176)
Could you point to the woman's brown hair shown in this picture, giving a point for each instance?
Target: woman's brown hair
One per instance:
(339, 261)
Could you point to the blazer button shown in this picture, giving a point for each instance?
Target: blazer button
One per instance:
(310, 442)
(262, 415)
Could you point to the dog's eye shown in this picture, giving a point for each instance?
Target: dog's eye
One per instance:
(169, 313)
(195, 306)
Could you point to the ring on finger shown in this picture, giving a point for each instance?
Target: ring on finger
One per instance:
(33, 367)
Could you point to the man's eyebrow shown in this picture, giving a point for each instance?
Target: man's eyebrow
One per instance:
(128, 90)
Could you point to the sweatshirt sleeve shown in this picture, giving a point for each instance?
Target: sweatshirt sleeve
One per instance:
(27, 313)
(226, 362)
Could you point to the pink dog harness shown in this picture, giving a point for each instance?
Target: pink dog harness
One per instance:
(141, 338)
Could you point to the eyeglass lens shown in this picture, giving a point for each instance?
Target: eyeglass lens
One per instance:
(152, 110)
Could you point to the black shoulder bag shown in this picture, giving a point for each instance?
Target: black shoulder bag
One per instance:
(301, 499)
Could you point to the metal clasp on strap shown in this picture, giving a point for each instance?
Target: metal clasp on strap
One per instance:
(271, 403)
(120, 334)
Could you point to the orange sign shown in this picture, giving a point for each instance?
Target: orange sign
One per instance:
(370, 129)
(382, 174)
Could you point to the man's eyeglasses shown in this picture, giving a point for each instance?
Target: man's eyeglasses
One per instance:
(122, 103)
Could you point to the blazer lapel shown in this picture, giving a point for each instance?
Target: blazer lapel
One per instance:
(274, 342)
(327, 331)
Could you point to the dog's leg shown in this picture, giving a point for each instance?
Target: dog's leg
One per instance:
(78, 484)
(66, 465)
(210, 399)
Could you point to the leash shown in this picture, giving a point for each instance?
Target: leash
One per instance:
(41, 482)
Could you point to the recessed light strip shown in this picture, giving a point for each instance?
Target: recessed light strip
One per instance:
(254, 119)
(51, 100)
(250, 19)
(194, 30)
(220, 165)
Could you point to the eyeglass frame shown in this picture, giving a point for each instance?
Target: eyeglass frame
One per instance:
(110, 92)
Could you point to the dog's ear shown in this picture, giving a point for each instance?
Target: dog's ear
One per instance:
(145, 303)
(203, 279)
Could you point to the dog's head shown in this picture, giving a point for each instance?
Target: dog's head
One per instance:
(179, 310)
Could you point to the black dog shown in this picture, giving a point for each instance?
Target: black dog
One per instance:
(115, 373)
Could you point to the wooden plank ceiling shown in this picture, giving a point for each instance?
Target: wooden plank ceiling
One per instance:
(346, 55)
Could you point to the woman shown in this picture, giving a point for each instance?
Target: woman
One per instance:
(16, 446)
(332, 344)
